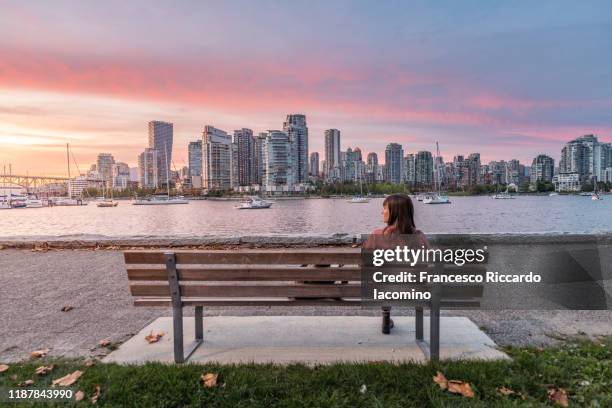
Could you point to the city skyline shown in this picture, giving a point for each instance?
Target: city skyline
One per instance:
(508, 81)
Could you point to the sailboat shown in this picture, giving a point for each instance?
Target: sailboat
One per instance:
(162, 199)
(105, 202)
(438, 197)
(68, 201)
(359, 199)
(504, 195)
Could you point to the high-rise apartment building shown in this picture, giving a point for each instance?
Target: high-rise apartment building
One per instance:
(278, 162)
(586, 157)
(314, 164)
(258, 161)
(195, 158)
(423, 163)
(296, 129)
(332, 151)
(104, 165)
(542, 168)
(216, 159)
(147, 168)
(409, 169)
(121, 176)
(161, 136)
(244, 145)
(394, 157)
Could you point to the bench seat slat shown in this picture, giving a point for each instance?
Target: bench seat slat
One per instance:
(280, 290)
(249, 273)
(355, 302)
(278, 301)
(296, 256)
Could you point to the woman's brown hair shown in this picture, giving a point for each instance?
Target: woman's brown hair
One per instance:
(401, 213)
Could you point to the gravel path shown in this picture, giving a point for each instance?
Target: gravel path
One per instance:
(34, 286)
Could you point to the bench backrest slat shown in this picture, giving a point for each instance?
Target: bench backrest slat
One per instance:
(272, 276)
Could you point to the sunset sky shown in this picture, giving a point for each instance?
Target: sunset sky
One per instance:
(506, 79)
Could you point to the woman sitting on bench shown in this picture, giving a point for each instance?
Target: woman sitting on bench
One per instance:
(398, 214)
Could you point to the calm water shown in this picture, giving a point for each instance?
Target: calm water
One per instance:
(464, 215)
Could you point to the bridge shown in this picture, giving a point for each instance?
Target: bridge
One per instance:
(33, 184)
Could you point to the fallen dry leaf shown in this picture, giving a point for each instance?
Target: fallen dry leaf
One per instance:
(67, 308)
(90, 362)
(209, 380)
(25, 383)
(69, 379)
(105, 343)
(154, 337)
(96, 395)
(558, 396)
(79, 395)
(40, 353)
(505, 391)
(3, 368)
(454, 386)
(441, 380)
(460, 387)
(42, 370)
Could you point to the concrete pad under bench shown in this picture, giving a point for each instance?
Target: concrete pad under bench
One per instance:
(307, 339)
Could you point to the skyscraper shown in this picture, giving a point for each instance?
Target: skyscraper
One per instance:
(332, 151)
(245, 152)
(258, 161)
(104, 165)
(583, 156)
(542, 168)
(195, 158)
(314, 164)
(121, 176)
(296, 129)
(394, 156)
(409, 169)
(278, 165)
(423, 165)
(473, 166)
(160, 139)
(147, 168)
(216, 159)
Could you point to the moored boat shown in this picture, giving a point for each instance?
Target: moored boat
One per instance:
(254, 203)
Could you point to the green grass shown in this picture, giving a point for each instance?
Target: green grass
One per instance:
(582, 368)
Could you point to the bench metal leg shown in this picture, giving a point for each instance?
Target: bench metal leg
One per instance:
(434, 331)
(177, 330)
(386, 319)
(199, 323)
(419, 322)
(177, 314)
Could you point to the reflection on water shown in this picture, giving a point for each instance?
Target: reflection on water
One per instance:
(325, 216)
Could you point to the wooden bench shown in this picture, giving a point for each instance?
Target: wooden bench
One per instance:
(260, 277)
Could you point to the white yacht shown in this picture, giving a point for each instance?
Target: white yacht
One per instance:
(358, 200)
(554, 193)
(504, 195)
(67, 201)
(254, 203)
(436, 199)
(34, 202)
(4, 203)
(161, 200)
